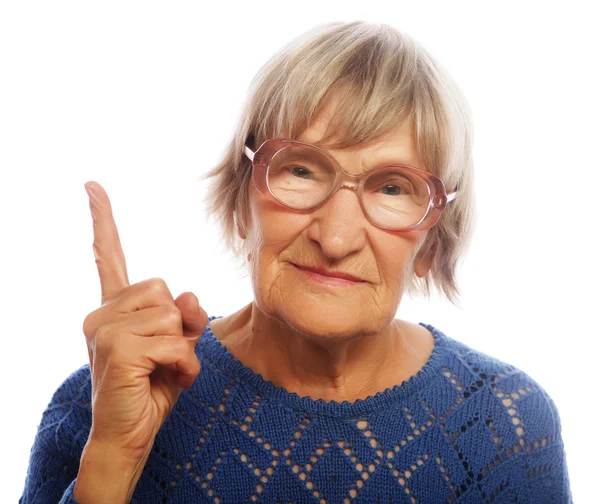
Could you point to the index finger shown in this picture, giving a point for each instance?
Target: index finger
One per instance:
(108, 252)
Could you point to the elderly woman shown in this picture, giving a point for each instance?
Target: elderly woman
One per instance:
(348, 182)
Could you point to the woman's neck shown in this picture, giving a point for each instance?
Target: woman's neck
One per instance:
(346, 370)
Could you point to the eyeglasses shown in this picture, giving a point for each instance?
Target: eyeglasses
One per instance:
(303, 177)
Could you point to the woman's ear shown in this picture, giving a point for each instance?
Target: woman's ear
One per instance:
(241, 232)
(423, 262)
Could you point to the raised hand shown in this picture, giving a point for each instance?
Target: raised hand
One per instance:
(141, 345)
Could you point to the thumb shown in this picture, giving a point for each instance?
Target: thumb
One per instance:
(194, 318)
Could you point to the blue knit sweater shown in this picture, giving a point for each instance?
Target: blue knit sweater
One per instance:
(466, 428)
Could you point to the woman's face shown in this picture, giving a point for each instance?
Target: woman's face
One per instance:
(335, 237)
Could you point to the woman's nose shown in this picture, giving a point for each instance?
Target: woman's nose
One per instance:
(339, 226)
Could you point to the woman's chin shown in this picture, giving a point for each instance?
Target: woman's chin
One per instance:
(328, 321)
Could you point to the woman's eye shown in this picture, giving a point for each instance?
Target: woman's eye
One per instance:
(299, 171)
(392, 190)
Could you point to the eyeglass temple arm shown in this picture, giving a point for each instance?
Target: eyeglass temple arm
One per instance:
(249, 152)
(451, 196)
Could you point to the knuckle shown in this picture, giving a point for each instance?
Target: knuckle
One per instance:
(104, 338)
(197, 365)
(94, 320)
(87, 325)
(179, 346)
(194, 367)
(156, 291)
(173, 316)
(157, 285)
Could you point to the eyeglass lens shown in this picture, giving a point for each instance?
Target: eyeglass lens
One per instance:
(302, 177)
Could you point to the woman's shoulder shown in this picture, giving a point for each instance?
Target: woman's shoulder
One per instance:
(67, 418)
(499, 421)
(74, 389)
(510, 393)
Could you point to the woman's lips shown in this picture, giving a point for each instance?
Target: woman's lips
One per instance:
(327, 277)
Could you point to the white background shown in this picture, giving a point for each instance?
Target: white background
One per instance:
(143, 97)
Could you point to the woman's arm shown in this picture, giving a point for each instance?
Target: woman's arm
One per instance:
(105, 476)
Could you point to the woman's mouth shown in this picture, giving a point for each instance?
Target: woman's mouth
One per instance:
(334, 278)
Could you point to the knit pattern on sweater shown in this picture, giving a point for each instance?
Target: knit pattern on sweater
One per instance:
(467, 428)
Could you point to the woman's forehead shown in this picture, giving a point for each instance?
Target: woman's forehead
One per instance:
(318, 127)
(395, 147)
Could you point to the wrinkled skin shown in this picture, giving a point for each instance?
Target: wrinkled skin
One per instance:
(336, 343)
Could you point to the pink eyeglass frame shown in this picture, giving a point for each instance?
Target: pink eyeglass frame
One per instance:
(438, 198)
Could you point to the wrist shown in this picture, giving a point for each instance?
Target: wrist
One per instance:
(106, 476)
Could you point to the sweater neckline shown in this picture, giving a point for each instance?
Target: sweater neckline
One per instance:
(217, 353)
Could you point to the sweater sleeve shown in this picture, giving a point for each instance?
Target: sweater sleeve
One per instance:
(533, 413)
(556, 463)
(59, 442)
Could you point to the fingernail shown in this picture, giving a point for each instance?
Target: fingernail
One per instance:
(88, 189)
(92, 195)
(193, 338)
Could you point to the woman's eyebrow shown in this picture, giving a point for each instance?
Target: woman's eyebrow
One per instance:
(392, 160)
(387, 159)
(395, 160)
